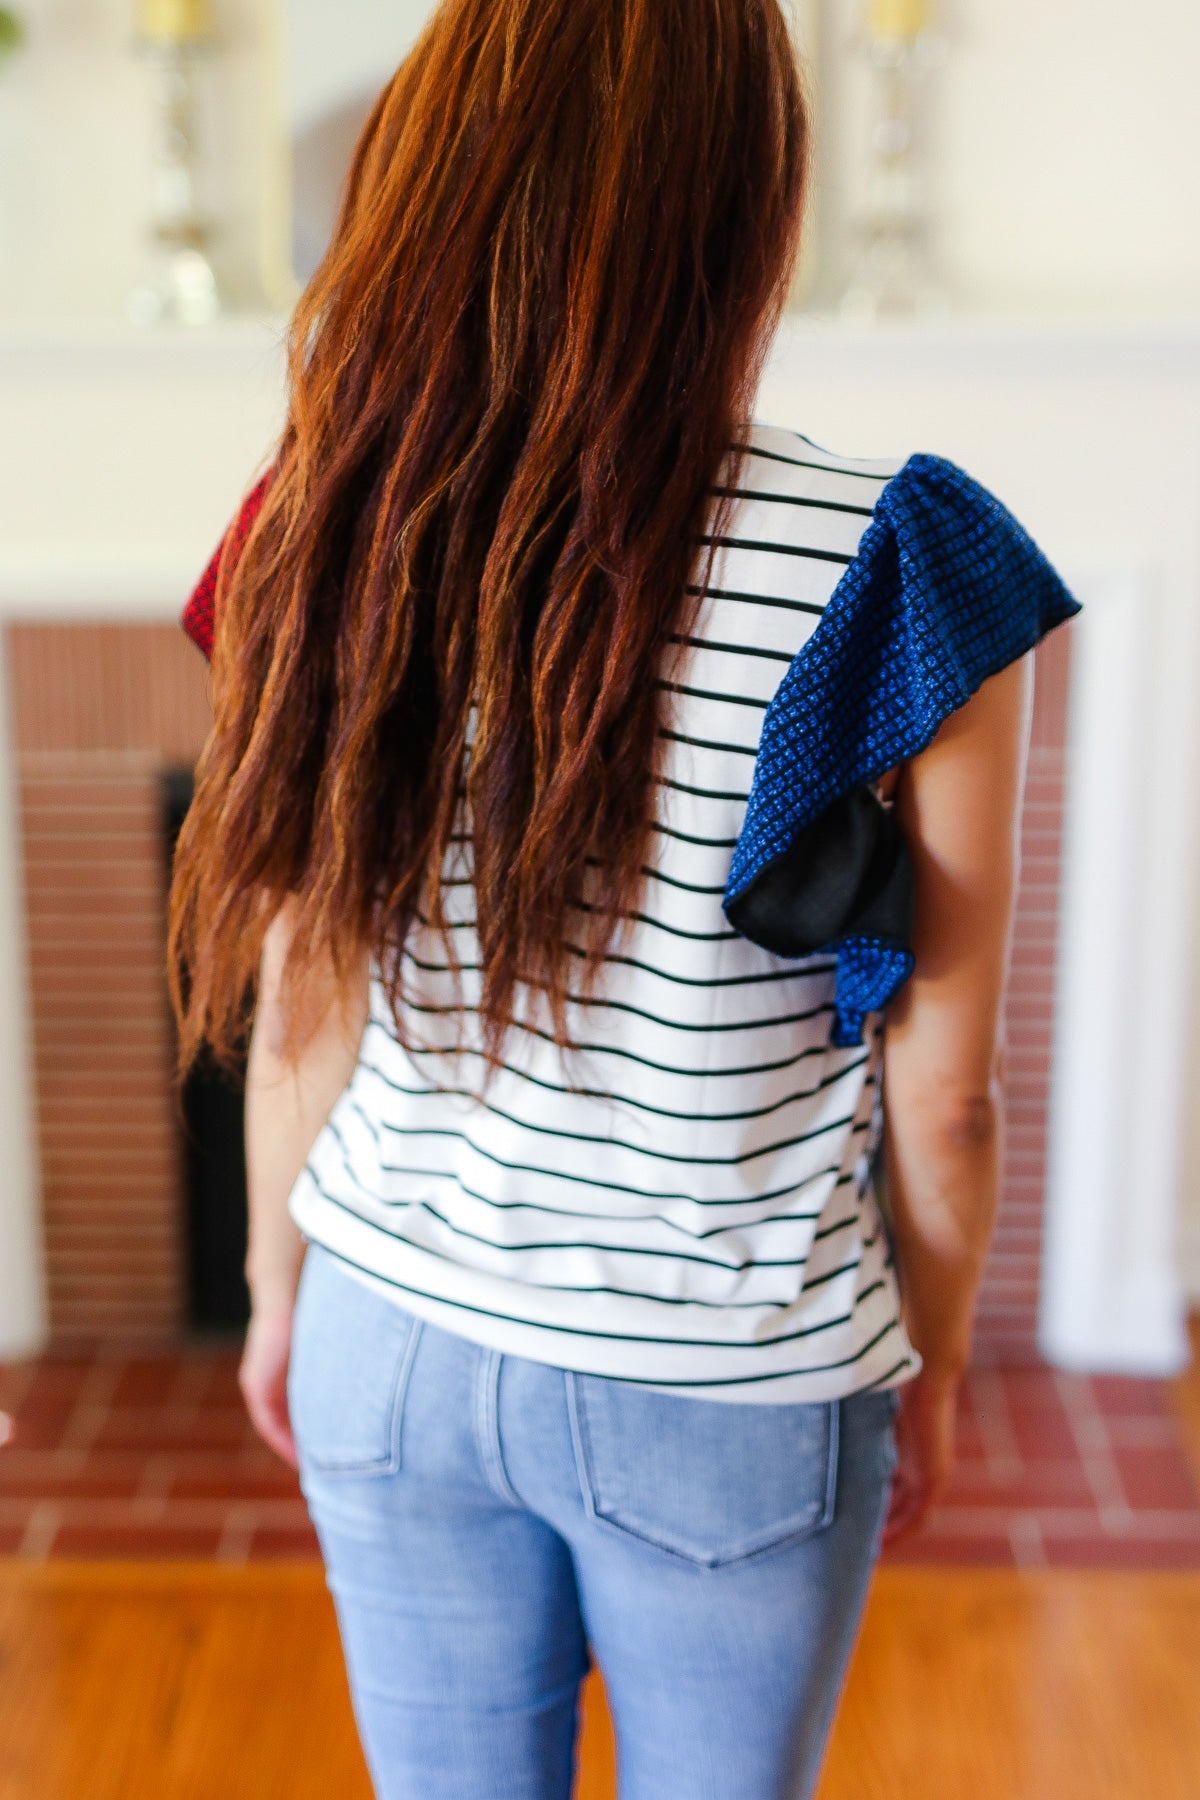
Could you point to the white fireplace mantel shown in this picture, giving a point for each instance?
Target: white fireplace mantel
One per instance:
(123, 453)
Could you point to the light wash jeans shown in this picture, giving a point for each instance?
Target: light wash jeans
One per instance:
(489, 1524)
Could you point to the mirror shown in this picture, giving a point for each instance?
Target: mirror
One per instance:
(335, 63)
(330, 66)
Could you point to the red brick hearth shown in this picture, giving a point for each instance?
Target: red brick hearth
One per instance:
(134, 1455)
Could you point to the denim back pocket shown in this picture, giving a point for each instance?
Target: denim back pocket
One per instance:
(711, 1481)
(351, 1354)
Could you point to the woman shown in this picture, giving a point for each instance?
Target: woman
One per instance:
(594, 770)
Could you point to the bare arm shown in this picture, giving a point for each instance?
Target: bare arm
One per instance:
(959, 803)
(285, 1108)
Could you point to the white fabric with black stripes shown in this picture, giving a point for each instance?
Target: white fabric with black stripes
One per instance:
(685, 1200)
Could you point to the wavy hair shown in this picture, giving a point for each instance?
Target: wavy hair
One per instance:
(514, 383)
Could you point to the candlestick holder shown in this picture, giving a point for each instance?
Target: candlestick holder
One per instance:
(893, 273)
(179, 283)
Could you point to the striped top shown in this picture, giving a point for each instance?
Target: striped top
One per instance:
(684, 1200)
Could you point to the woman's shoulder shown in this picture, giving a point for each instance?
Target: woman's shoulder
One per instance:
(782, 458)
(935, 545)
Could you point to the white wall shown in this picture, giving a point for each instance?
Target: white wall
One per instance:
(1067, 139)
(1072, 151)
(1066, 145)
(1189, 1224)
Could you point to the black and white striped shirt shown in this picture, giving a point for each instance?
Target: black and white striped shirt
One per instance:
(686, 1201)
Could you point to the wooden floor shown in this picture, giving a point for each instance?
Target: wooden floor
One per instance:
(202, 1681)
(197, 1682)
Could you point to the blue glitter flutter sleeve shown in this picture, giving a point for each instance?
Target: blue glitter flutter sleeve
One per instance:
(946, 589)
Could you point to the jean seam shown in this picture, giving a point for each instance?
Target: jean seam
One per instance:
(581, 1475)
(487, 1427)
(833, 1464)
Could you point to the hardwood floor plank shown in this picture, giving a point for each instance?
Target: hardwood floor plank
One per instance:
(173, 1682)
(999, 1685)
(120, 1681)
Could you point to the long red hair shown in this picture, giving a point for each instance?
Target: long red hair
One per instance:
(564, 241)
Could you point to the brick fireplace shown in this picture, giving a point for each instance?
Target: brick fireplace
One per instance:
(100, 712)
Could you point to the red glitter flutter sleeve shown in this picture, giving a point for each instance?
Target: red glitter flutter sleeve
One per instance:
(199, 615)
